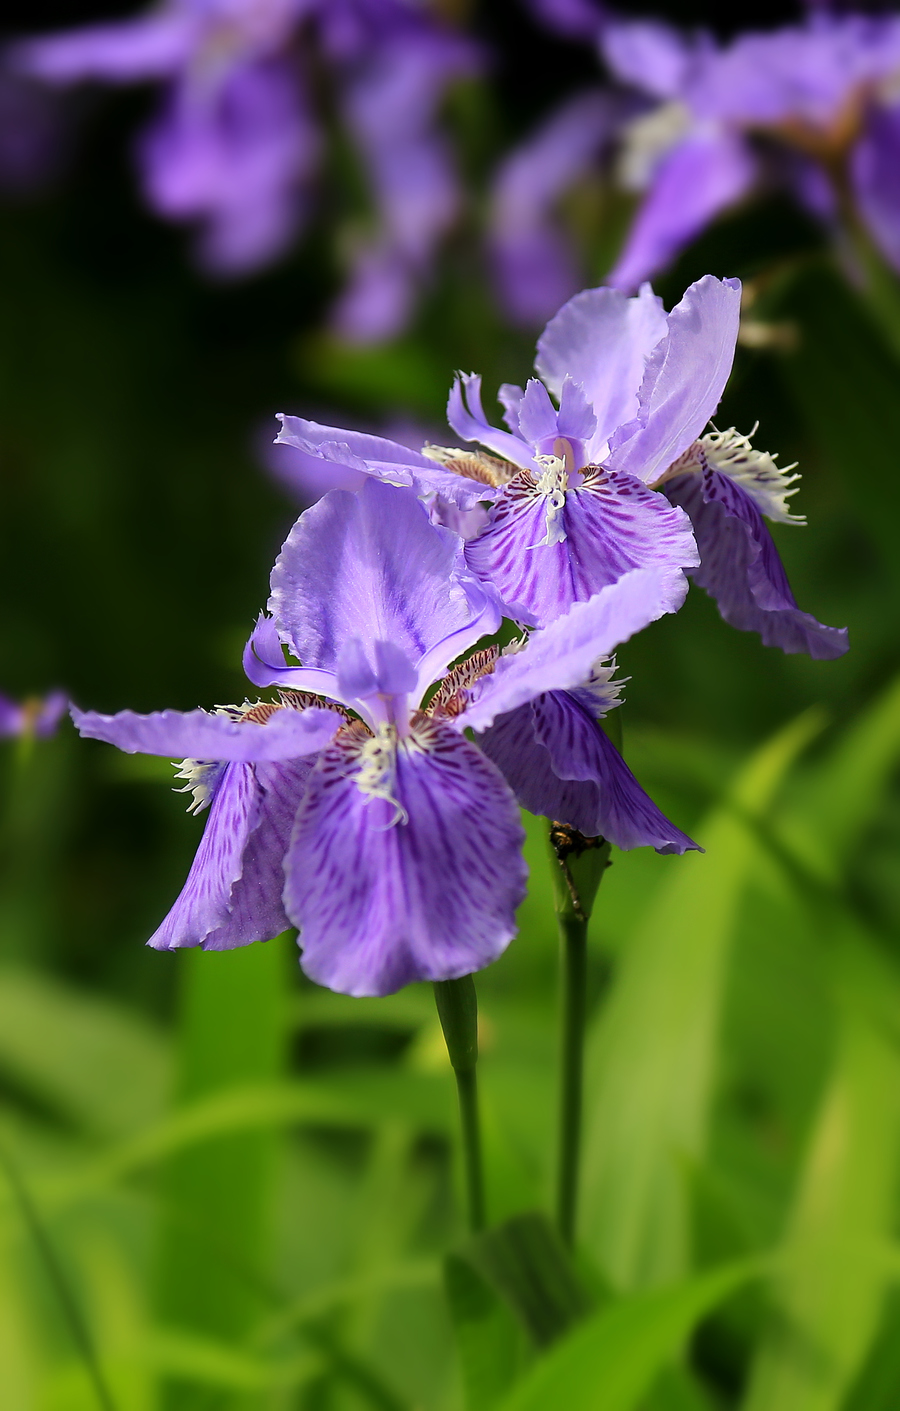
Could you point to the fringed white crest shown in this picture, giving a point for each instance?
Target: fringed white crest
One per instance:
(378, 771)
(768, 484)
(605, 693)
(553, 483)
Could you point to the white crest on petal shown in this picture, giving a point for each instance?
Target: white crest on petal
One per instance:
(377, 773)
(202, 777)
(605, 693)
(553, 482)
(647, 139)
(767, 483)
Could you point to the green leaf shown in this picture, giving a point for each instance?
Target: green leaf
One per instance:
(830, 1296)
(215, 1236)
(122, 1072)
(527, 1265)
(488, 1338)
(652, 1055)
(610, 1361)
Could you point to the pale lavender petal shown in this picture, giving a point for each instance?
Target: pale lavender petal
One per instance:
(561, 656)
(537, 414)
(148, 47)
(560, 764)
(612, 524)
(372, 566)
(265, 666)
(741, 569)
(466, 415)
(203, 904)
(510, 398)
(381, 903)
(379, 457)
(651, 55)
(255, 908)
(576, 418)
(602, 339)
(376, 668)
(875, 169)
(697, 180)
(287, 734)
(684, 381)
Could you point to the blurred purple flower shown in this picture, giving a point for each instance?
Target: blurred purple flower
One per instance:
(235, 144)
(619, 474)
(534, 266)
(38, 716)
(828, 89)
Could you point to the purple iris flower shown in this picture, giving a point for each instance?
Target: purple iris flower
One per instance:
(617, 474)
(235, 144)
(38, 716)
(355, 807)
(827, 89)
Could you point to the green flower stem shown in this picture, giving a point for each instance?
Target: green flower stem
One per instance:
(578, 867)
(457, 1008)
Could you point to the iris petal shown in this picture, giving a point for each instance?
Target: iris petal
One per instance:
(382, 902)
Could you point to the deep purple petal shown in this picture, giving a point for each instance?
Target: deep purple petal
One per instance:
(561, 656)
(203, 904)
(255, 908)
(380, 902)
(875, 169)
(287, 734)
(684, 381)
(699, 178)
(602, 339)
(560, 764)
(741, 569)
(371, 566)
(612, 524)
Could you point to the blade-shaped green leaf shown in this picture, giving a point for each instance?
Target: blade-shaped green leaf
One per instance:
(488, 1339)
(527, 1265)
(830, 1296)
(651, 1057)
(610, 1361)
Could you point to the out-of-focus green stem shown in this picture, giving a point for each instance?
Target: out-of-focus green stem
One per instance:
(578, 865)
(457, 1007)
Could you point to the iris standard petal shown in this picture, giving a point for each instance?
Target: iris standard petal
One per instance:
(561, 656)
(741, 569)
(203, 904)
(651, 55)
(611, 524)
(466, 415)
(602, 339)
(382, 902)
(560, 764)
(196, 734)
(372, 566)
(698, 179)
(684, 381)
